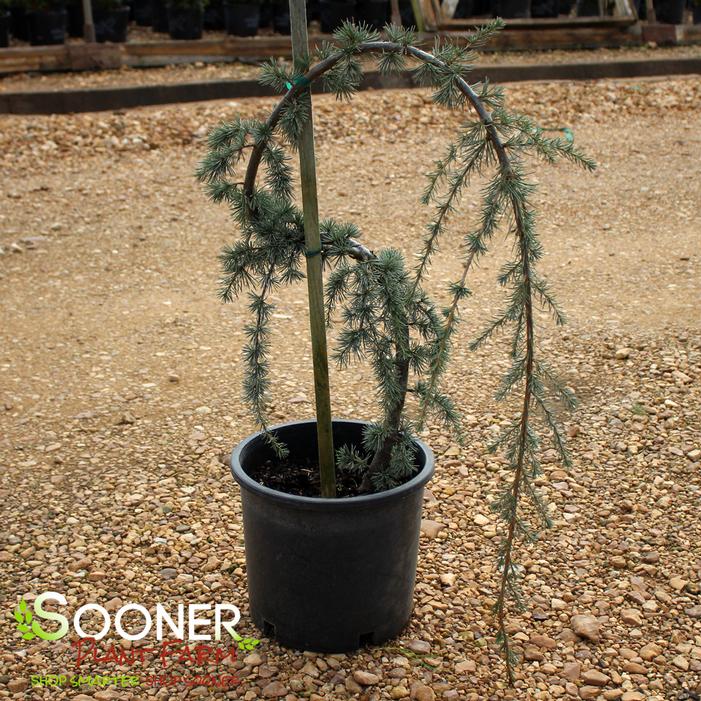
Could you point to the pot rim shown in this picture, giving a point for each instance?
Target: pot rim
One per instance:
(318, 503)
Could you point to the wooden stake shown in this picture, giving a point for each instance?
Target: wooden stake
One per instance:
(88, 24)
(315, 281)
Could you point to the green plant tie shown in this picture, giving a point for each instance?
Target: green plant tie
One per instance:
(568, 133)
(298, 80)
(311, 254)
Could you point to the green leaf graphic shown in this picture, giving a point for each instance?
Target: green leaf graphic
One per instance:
(23, 616)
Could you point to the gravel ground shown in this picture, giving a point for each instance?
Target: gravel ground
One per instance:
(199, 71)
(119, 395)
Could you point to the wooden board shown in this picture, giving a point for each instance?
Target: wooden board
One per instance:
(519, 35)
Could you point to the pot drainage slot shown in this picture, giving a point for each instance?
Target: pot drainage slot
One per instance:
(268, 629)
(366, 639)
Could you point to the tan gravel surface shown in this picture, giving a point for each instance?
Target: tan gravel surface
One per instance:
(198, 72)
(119, 395)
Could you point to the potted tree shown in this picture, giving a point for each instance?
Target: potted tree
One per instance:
(111, 19)
(47, 21)
(332, 508)
(186, 18)
(242, 17)
(4, 23)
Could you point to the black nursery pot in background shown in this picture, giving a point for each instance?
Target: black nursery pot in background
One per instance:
(47, 27)
(141, 12)
(697, 13)
(242, 19)
(4, 29)
(111, 25)
(333, 13)
(159, 16)
(19, 21)
(281, 17)
(214, 17)
(670, 11)
(75, 26)
(328, 575)
(544, 8)
(513, 9)
(374, 13)
(185, 22)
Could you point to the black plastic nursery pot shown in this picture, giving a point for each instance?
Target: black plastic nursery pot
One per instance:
(4, 29)
(697, 13)
(75, 26)
(242, 19)
(670, 11)
(111, 25)
(513, 9)
(544, 8)
(333, 13)
(328, 575)
(19, 22)
(159, 16)
(47, 27)
(214, 15)
(185, 22)
(141, 12)
(281, 17)
(374, 13)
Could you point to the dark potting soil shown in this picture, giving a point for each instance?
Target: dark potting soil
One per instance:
(301, 478)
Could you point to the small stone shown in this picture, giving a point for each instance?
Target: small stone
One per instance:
(594, 677)
(623, 353)
(694, 611)
(677, 583)
(533, 654)
(680, 662)
(365, 678)
(17, 685)
(431, 528)
(254, 659)
(613, 694)
(421, 692)
(543, 641)
(634, 668)
(481, 520)
(173, 378)
(586, 627)
(571, 671)
(650, 651)
(651, 557)
(448, 579)
(114, 604)
(169, 573)
(96, 575)
(466, 666)
(588, 693)
(419, 646)
(399, 692)
(632, 696)
(274, 690)
(631, 617)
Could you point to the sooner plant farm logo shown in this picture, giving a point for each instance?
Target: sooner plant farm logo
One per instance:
(183, 633)
(28, 621)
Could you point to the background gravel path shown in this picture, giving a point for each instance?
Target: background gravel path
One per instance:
(119, 395)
